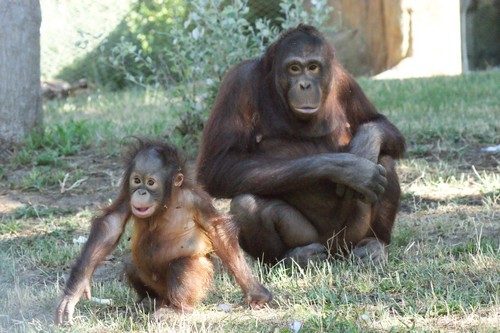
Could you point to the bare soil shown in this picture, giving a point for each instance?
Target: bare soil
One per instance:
(100, 182)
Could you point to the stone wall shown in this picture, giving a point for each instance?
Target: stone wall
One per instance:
(398, 38)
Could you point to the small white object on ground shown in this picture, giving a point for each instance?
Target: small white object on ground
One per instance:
(80, 240)
(295, 326)
(224, 307)
(491, 149)
(105, 301)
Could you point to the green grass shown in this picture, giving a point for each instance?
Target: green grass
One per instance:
(444, 267)
(110, 117)
(449, 109)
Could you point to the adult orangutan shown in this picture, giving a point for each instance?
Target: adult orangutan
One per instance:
(304, 155)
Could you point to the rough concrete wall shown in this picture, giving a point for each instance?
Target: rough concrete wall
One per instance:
(397, 31)
(377, 35)
(436, 34)
(380, 26)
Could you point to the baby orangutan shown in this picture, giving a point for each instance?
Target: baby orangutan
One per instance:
(176, 229)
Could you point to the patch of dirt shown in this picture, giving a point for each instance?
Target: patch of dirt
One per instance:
(414, 203)
(462, 157)
(98, 182)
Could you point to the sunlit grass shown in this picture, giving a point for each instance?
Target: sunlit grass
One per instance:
(427, 280)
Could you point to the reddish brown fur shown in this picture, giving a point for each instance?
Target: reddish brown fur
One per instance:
(256, 150)
(171, 250)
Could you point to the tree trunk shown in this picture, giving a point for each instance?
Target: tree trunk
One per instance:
(20, 104)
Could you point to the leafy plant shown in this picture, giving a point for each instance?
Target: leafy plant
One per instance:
(295, 13)
(46, 149)
(204, 44)
(203, 53)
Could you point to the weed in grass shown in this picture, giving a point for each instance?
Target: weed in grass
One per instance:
(47, 157)
(59, 140)
(24, 157)
(329, 322)
(40, 178)
(10, 226)
(39, 212)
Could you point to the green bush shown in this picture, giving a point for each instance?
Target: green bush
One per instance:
(135, 52)
(187, 51)
(142, 34)
(212, 37)
(201, 37)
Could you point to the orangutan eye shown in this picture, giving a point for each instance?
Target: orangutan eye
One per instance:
(313, 68)
(151, 182)
(137, 180)
(294, 69)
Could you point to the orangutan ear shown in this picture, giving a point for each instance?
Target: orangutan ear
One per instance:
(179, 178)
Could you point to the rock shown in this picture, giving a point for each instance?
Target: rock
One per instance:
(421, 37)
